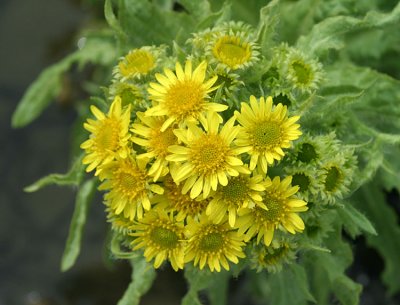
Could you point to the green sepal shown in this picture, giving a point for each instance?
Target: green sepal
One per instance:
(143, 275)
(116, 249)
(73, 177)
(371, 200)
(73, 245)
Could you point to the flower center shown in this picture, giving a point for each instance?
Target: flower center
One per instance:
(185, 98)
(130, 182)
(273, 257)
(139, 61)
(266, 135)
(183, 202)
(332, 179)
(211, 242)
(274, 212)
(164, 237)
(231, 51)
(302, 181)
(302, 71)
(282, 99)
(160, 141)
(236, 190)
(107, 137)
(307, 153)
(208, 154)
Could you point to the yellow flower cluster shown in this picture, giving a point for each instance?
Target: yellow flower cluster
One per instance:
(188, 175)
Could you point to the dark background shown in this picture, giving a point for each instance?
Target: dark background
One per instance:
(34, 227)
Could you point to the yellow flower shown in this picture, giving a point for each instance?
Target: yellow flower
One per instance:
(207, 157)
(182, 96)
(213, 244)
(109, 136)
(173, 199)
(155, 142)
(234, 51)
(282, 209)
(162, 238)
(266, 131)
(129, 187)
(242, 191)
(137, 63)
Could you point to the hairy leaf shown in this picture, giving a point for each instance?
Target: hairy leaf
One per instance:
(371, 200)
(295, 277)
(98, 50)
(142, 278)
(73, 245)
(73, 177)
(354, 221)
(329, 33)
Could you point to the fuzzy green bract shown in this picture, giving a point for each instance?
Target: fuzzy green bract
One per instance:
(333, 63)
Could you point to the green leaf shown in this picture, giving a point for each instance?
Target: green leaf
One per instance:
(218, 289)
(329, 33)
(143, 275)
(354, 221)
(40, 94)
(295, 277)
(73, 177)
(331, 267)
(197, 281)
(166, 26)
(371, 200)
(200, 9)
(113, 21)
(98, 50)
(269, 18)
(218, 17)
(73, 244)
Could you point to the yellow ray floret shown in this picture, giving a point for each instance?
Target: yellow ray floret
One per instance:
(162, 238)
(213, 244)
(129, 187)
(208, 157)
(281, 211)
(266, 131)
(183, 95)
(242, 191)
(154, 141)
(109, 136)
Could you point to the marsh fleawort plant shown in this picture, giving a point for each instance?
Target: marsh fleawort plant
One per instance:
(238, 138)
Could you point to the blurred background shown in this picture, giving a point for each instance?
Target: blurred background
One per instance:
(34, 227)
